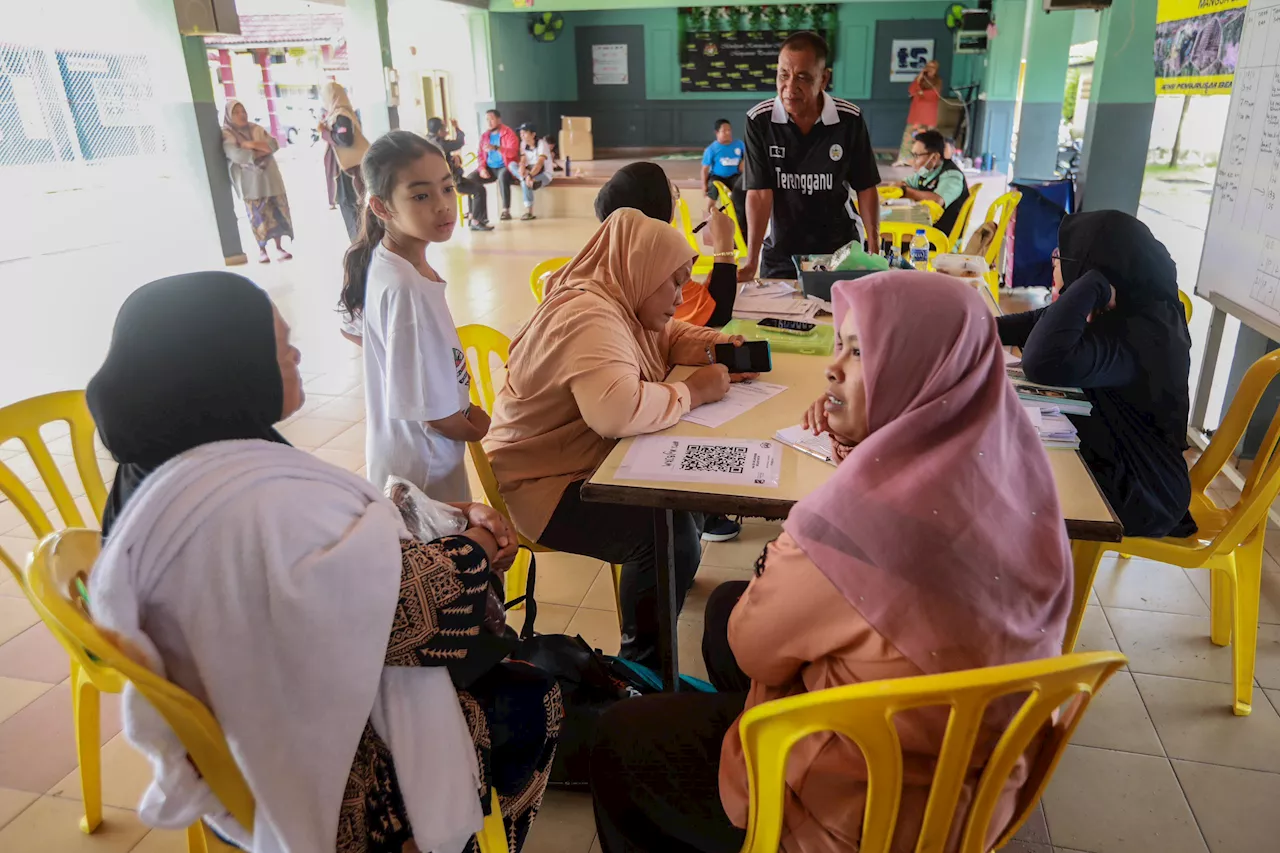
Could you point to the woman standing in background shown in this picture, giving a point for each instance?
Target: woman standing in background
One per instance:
(926, 91)
(256, 177)
(341, 130)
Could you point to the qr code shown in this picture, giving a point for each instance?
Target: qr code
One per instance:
(720, 460)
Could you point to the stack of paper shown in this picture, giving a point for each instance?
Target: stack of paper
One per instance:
(1071, 401)
(784, 307)
(1055, 429)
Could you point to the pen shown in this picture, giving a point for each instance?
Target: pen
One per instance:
(703, 223)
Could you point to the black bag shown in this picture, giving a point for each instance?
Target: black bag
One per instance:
(590, 683)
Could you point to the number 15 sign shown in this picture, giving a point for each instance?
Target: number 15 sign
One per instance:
(908, 58)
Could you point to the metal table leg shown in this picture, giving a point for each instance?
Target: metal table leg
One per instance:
(668, 644)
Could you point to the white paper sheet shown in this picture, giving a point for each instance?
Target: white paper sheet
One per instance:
(774, 306)
(742, 397)
(801, 439)
(731, 461)
(768, 287)
(1033, 414)
(1011, 360)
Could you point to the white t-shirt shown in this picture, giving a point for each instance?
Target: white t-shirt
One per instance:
(539, 149)
(414, 371)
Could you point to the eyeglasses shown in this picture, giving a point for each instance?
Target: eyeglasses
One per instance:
(1057, 256)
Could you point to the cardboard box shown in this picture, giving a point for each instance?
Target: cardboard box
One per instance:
(576, 123)
(576, 145)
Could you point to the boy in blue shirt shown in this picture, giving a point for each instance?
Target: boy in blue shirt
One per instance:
(722, 161)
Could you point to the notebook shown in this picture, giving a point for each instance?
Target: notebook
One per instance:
(818, 446)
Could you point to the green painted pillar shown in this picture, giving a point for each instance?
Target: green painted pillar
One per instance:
(1121, 106)
(999, 93)
(209, 130)
(1048, 49)
(369, 50)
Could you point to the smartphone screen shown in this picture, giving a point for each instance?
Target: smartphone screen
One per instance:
(751, 357)
(794, 326)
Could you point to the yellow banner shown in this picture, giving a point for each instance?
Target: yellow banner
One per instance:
(1197, 45)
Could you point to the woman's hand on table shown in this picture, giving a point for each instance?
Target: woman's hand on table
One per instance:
(707, 384)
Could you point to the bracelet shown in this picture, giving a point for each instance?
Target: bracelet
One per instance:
(731, 255)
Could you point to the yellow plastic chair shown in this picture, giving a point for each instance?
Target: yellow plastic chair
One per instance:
(888, 193)
(902, 232)
(935, 210)
(487, 343)
(66, 557)
(1229, 542)
(864, 713)
(539, 274)
(23, 421)
(704, 263)
(962, 218)
(726, 201)
(1000, 212)
(1186, 305)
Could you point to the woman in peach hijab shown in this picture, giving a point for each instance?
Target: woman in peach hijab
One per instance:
(587, 369)
(937, 546)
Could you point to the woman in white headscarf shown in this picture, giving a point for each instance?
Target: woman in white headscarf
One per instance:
(340, 129)
(256, 177)
(350, 665)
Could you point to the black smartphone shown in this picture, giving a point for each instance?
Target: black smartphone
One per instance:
(794, 327)
(751, 357)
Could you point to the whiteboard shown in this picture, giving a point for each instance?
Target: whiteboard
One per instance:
(1240, 264)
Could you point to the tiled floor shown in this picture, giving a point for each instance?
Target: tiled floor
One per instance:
(1160, 765)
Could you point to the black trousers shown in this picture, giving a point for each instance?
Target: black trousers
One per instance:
(655, 769)
(624, 534)
(737, 192)
(480, 195)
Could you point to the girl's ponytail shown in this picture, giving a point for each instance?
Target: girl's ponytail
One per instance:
(382, 162)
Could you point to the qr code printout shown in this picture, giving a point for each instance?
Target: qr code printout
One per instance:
(723, 460)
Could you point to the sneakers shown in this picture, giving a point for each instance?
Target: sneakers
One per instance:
(481, 226)
(720, 528)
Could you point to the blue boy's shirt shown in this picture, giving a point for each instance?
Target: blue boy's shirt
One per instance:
(494, 158)
(723, 159)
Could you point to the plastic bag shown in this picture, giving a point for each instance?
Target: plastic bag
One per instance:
(851, 256)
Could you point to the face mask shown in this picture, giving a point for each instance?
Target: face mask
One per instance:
(924, 170)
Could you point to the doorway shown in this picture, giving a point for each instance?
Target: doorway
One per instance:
(435, 96)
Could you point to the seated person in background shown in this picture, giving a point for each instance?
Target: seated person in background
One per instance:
(375, 676)
(589, 368)
(868, 581)
(645, 187)
(498, 148)
(1118, 331)
(450, 147)
(937, 178)
(722, 161)
(531, 170)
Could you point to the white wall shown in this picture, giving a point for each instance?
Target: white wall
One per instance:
(431, 35)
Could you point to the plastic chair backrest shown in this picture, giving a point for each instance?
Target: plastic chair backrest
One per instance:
(62, 559)
(726, 201)
(935, 210)
(962, 218)
(22, 421)
(904, 231)
(1186, 305)
(1000, 212)
(539, 274)
(864, 714)
(686, 224)
(1263, 483)
(487, 342)
(887, 193)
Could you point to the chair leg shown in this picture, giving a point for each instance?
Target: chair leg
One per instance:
(616, 570)
(197, 841)
(85, 712)
(1221, 606)
(1085, 556)
(1244, 645)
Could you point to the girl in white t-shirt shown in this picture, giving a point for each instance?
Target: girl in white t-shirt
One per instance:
(417, 388)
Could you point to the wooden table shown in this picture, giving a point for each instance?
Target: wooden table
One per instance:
(1087, 513)
(914, 214)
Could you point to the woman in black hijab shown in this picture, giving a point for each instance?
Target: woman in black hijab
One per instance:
(194, 358)
(1118, 331)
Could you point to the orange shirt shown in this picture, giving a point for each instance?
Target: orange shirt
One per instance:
(698, 304)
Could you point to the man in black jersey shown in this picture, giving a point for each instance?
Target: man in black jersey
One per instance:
(806, 151)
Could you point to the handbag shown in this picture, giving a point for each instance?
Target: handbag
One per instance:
(590, 683)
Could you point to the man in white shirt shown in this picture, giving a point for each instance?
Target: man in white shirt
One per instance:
(532, 169)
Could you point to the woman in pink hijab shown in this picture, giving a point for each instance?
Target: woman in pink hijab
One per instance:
(937, 546)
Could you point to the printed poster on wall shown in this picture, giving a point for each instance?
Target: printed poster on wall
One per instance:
(908, 58)
(735, 48)
(609, 64)
(1197, 45)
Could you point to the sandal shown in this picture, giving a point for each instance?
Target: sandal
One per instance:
(263, 257)
(527, 216)
(506, 215)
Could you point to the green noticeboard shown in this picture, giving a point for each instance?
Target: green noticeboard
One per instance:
(735, 48)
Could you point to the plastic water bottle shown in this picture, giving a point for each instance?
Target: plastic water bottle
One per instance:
(920, 251)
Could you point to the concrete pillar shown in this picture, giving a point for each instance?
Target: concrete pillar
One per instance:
(1121, 107)
(1047, 51)
(263, 59)
(209, 128)
(1000, 82)
(225, 75)
(369, 52)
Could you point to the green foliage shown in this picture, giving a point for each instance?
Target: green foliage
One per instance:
(1069, 96)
